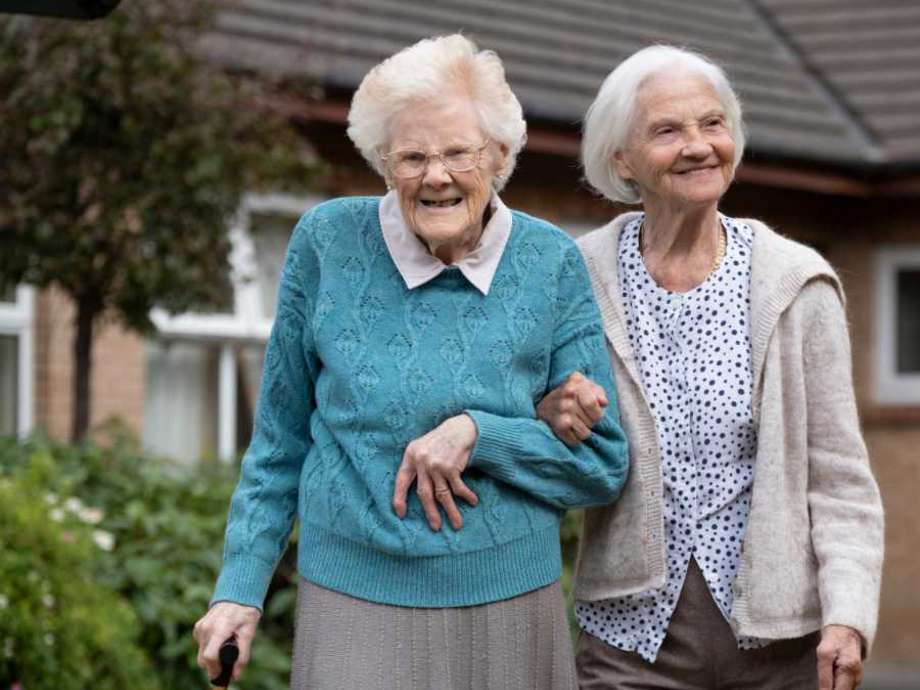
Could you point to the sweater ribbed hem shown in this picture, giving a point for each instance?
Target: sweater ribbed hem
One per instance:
(462, 579)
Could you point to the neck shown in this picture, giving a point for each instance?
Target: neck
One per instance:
(452, 252)
(680, 246)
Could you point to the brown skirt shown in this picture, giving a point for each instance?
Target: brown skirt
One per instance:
(343, 642)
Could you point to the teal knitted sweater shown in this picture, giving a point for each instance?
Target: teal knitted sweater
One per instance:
(357, 366)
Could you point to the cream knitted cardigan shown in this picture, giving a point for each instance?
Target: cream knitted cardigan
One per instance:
(812, 554)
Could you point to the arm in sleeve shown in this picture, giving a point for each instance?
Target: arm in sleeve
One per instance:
(845, 506)
(264, 503)
(524, 452)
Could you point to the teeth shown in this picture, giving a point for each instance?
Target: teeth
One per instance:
(441, 204)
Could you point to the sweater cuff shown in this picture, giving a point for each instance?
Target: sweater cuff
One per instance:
(853, 611)
(496, 444)
(243, 580)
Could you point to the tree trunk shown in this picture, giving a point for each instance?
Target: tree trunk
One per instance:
(82, 367)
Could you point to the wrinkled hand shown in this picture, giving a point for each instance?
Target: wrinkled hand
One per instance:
(220, 622)
(839, 658)
(572, 409)
(435, 462)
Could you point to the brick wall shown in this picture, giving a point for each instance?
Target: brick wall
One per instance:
(118, 373)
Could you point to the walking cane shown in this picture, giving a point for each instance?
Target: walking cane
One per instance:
(228, 654)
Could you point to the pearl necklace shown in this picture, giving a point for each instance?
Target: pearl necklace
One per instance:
(720, 252)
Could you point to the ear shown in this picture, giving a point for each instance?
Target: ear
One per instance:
(387, 175)
(501, 159)
(621, 164)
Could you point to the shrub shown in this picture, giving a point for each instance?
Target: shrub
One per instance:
(58, 627)
(167, 524)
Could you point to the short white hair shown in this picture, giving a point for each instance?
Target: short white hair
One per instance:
(426, 71)
(610, 117)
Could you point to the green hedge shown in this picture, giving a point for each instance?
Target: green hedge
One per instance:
(111, 555)
(129, 546)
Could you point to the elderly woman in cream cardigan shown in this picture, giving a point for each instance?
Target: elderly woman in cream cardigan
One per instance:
(746, 549)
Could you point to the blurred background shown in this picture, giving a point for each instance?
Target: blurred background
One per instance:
(153, 163)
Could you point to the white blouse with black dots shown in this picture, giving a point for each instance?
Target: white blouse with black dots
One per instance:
(694, 354)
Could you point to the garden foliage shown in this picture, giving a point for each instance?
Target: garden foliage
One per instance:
(114, 554)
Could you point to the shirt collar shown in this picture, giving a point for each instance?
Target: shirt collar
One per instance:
(417, 266)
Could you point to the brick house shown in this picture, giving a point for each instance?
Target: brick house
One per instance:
(830, 91)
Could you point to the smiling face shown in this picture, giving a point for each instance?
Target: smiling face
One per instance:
(443, 208)
(680, 151)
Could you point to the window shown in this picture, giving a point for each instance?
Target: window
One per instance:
(204, 370)
(898, 326)
(16, 360)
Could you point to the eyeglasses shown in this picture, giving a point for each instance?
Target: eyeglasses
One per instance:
(407, 163)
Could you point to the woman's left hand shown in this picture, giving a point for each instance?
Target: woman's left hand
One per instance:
(435, 462)
(839, 658)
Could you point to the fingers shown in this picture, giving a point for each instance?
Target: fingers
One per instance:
(223, 621)
(845, 680)
(572, 409)
(591, 401)
(445, 497)
(425, 491)
(826, 657)
(244, 639)
(847, 670)
(570, 429)
(209, 647)
(404, 478)
(839, 654)
(462, 490)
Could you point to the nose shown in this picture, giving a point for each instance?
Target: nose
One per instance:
(436, 175)
(695, 144)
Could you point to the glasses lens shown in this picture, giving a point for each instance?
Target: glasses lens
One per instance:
(408, 163)
(460, 160)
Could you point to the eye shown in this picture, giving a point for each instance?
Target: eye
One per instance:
(714, 122)
(411, 157)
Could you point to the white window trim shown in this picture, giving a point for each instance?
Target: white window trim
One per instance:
(247, 324)
(18, 319)
(891, 387)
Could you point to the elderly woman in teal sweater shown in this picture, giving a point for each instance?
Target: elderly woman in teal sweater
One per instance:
(415, 335)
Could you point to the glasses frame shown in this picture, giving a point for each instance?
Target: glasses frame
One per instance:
(477, 150)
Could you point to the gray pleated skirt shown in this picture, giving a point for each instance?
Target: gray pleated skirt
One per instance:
(342, 643)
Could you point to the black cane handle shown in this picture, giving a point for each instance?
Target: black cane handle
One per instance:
(228, 654)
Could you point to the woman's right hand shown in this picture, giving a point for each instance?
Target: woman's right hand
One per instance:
(223, 620)
(573, 408)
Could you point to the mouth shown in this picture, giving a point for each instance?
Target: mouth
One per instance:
(441, 203)
(705, 168)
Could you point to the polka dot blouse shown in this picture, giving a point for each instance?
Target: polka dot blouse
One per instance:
(694, 354)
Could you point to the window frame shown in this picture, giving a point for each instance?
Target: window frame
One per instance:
(246, 324)
(18, 319)
(892, 387)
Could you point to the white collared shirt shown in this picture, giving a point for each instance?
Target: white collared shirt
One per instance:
(417, 265)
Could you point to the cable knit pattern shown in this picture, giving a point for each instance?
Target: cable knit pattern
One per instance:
(358, 366)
